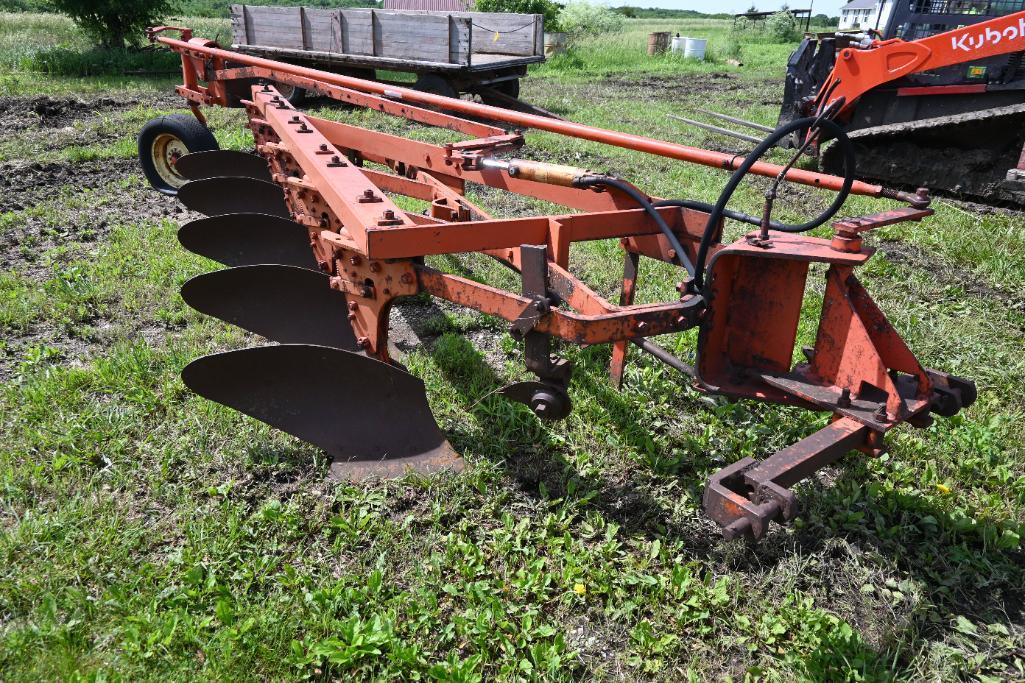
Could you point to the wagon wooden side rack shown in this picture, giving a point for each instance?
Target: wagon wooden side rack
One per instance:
(318, 252)
(450, 53)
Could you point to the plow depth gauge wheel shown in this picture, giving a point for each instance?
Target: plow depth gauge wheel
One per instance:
(163, 141)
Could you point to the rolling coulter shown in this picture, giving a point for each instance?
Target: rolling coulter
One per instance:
(317, 252)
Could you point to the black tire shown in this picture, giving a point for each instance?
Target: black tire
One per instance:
(163, 140)
(510, 88)
(293, 93)
(436, 85)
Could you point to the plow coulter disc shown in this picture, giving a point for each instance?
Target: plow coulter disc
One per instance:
(371, 417)
(222, 162)
(282, 303)
(248, 239)
(218, 196)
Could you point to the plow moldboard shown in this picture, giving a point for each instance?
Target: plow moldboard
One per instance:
(222, 162)
(282, 303)
(217, 196)
(371, 417)
(249, 239)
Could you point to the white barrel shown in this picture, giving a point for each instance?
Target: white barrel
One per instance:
(694, 48)
(677, 44)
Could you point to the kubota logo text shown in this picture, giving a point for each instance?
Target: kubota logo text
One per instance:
(989, 36)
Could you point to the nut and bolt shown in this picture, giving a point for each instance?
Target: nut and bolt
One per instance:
(323, 147)
(352, 316)
(366, 292)
(294, 119)
(845, 398)
(355, 260)
(363, 342)
(880, 414)
(389, 215)
(375, 267)
(353, 305)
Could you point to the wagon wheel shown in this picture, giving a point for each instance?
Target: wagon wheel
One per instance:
(294, 94)
(435, 85)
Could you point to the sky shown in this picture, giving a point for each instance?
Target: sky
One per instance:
(830, 7)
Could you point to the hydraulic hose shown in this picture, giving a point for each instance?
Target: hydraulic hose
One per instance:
(719, 210)
(645, 203)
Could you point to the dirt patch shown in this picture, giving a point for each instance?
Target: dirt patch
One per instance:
(25, 184)
(948, 274)
(679, 88)
(19, 113)
(51, 223)
(43, 111)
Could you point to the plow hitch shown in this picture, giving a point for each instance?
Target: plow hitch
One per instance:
(317, 246)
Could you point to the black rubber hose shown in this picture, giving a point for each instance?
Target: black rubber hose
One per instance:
(719, 210)
(705, 207)
(645, 203)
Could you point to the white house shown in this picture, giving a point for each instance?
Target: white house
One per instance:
(865, 14)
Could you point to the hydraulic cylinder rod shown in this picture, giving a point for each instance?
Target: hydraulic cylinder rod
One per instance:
(637, 143)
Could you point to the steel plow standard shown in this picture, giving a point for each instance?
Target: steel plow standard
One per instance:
(320, 248)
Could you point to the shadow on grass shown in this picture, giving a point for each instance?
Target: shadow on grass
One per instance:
(959, 572)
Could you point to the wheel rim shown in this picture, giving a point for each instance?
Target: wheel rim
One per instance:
(167, 150)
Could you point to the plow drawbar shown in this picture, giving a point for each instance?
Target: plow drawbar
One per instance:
(316, 252)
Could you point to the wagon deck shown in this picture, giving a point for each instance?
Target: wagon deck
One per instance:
(415, 41)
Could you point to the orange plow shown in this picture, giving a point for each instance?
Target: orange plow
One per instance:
(317, 252)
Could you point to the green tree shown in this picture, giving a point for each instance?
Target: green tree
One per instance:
(546, 8)
(112, 23)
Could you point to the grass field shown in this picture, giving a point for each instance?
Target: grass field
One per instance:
(148, 534)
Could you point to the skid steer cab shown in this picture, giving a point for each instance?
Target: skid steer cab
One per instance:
(317, 250)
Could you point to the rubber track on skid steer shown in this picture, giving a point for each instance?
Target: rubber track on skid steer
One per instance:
(965, 155)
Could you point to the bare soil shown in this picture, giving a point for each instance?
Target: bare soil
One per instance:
(59, 212)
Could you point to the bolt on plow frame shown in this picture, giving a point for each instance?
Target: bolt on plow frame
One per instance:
(317, 252)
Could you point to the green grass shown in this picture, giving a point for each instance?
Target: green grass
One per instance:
(148, 534)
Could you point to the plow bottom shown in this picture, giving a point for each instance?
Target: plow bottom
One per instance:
(333, 399)
(249, 239)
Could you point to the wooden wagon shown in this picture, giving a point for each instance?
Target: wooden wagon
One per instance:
(449, 52)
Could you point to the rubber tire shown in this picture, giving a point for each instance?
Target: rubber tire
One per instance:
(296, 97)
(510, 88)
(195, 136)
(436, 85)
